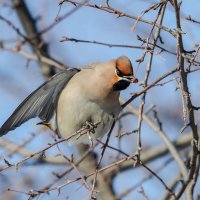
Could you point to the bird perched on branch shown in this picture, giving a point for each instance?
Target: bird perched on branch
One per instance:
(76, 97)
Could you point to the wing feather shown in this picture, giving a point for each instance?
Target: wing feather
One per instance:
(40, 103)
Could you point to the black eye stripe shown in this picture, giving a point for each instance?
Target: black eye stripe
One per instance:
(120, 74)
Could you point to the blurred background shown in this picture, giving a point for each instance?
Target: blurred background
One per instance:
(20, 75)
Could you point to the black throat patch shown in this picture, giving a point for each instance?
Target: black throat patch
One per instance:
(121, 85)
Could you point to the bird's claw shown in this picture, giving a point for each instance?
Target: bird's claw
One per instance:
(90, 126)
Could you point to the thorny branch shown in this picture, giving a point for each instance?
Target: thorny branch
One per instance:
(118, 13)
(159, 16)
(188, 112)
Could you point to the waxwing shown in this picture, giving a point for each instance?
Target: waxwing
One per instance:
(75, 97)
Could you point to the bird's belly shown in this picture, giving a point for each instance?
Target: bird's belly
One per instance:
(73, 118)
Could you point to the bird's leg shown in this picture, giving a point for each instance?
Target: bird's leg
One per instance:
(88, 128)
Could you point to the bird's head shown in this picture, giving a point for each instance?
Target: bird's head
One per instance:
(124, 74)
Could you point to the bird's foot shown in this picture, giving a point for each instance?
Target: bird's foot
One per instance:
(90, 126)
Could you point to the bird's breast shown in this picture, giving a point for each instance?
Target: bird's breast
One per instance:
(75, 110)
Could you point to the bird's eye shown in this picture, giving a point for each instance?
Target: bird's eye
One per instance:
(118, 72)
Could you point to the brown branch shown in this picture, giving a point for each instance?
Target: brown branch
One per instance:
(58, 20)
(65, 39)
(45, 60)
(150, 154)
(164, 138)
(76, 134)
(126, 158)
(119, 14)
(25, 152)
(146, 178)
(194, 162)
(102, 43)
(172, 185)
(136, 162)
(189, 18)
(159, 16)
(100, 159)
(31, 30)
(39, 47)
(153, 84)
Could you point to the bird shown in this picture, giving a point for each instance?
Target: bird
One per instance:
(76, 98)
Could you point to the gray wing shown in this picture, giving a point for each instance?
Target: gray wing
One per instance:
(40, 103)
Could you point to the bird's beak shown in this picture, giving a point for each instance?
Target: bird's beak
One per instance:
(130, 79)
(134, 80)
